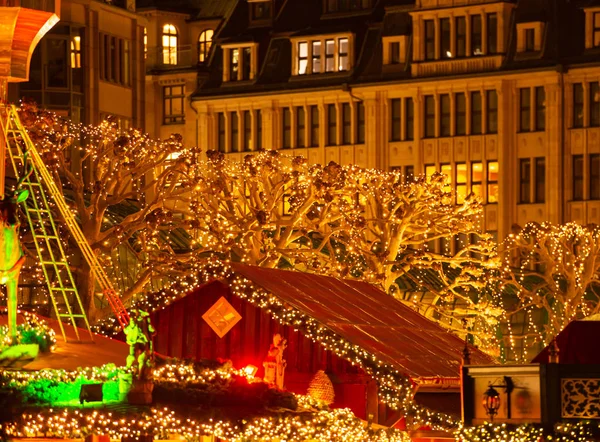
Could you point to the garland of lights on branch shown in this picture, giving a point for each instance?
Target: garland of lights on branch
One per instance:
(396, 389)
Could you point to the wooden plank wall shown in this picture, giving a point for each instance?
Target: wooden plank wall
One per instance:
(183, 333)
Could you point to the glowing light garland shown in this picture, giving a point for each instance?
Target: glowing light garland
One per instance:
(32, 331)
(396, 389)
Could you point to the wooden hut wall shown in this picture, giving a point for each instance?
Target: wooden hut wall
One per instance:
(182, 333)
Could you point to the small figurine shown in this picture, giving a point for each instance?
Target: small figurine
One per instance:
(139, 333)
(274, 363)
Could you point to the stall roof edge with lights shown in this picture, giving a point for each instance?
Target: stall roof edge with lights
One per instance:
(377, 351)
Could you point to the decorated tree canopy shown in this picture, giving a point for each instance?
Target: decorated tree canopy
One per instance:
(553, 273)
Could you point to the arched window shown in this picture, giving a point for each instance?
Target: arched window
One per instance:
(169, 44)
(204, 44)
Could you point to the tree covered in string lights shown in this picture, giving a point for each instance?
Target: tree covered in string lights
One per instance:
(345, 221)
(554, 273)
(101, 167)
(270, 210)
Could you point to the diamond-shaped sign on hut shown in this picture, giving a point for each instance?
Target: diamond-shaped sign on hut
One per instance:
(356, 333)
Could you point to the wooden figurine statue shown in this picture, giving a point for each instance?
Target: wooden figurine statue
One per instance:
(139, 333)
(11, 252)
(274, 363)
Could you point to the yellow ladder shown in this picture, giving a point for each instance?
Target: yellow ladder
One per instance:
(59, 279)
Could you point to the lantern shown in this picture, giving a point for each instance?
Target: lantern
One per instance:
(491, 402)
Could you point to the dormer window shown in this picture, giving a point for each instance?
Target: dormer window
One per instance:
(592, 27)
(322, 55)
(261, 10)
(239, 62)
(529, 37)
(395, 49)
(347, 5)
(169, 44)
(204, 44)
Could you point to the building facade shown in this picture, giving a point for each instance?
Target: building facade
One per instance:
(90, 65)
(503, 96)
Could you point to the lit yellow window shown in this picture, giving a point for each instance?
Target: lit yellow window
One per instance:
(76, 52)
(461, 183)
(169, 44)
(492, 181)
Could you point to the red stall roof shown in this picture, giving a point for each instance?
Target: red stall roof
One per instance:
(577, 344)
(366, 316)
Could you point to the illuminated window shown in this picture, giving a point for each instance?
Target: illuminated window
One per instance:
(145, 43)
(302, 57)
(321, 56)
(446, 169)
(461, 182)
(477, 179)
(343, 54)
(76, 52)
(492, 182)
(169, 44)
(429, 170)
(173, 104)
(204, 45)
(316, 57)
(234, 64)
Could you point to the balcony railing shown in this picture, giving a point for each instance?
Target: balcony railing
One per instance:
(167, 58)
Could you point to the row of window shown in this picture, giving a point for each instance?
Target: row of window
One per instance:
(170, 44)
(478, 178)
(448, 107)
(233, 133)
(323, 55)
(464, 43)
(115, 56)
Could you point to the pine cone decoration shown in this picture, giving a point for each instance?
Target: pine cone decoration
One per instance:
(321, 388)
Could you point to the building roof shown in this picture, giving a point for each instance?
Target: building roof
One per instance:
(365, 316)
(563, 42)
(577, 344)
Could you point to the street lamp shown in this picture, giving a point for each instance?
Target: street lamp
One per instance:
(491, 398)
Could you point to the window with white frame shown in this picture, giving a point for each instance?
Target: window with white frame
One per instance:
(239, 62)
(322, 55)
(169, 44)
